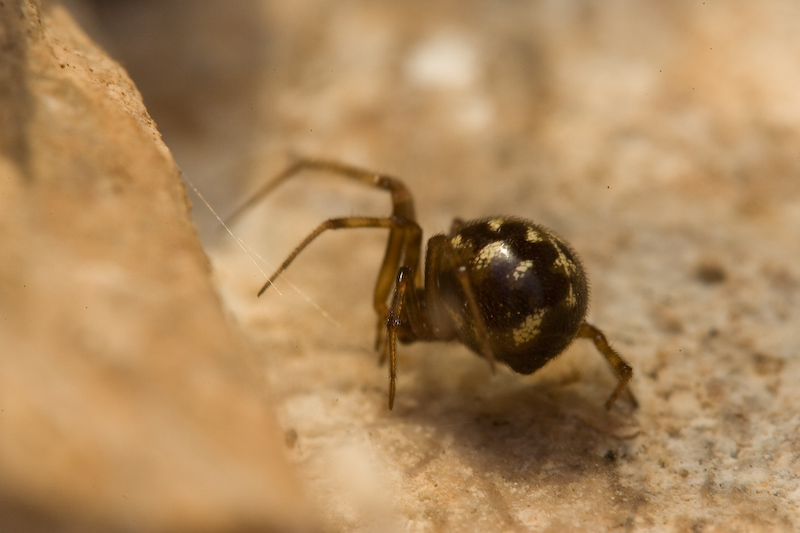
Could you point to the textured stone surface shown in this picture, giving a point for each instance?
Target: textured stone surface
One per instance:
(660, 140)
(126, 400)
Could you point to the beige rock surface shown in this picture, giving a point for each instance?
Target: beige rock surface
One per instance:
(659, 139)
(127, 403)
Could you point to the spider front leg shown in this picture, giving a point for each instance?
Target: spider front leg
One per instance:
(400, 265)
(333, 223)
(402, 247)
(405, 315)
(405, 249)
(394, 321)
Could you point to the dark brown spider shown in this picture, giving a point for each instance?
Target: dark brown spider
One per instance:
(509, 289)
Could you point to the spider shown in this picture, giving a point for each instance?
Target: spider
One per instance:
(510, 290)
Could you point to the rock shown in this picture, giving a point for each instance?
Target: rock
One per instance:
(127, 400)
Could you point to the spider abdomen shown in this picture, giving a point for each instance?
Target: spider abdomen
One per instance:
(528, 283)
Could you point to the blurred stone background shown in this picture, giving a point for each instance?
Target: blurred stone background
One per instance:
(661, 140)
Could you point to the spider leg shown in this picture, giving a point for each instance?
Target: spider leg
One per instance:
(482, 332)
(400, 267)
(403, 204)
(399, 248)
(386, 276)
(412, 235)
(621, 367)
(443, 258)
(405, 277)
(405, 307)
(331, 224)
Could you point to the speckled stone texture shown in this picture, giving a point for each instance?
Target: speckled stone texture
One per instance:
(660, 140)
